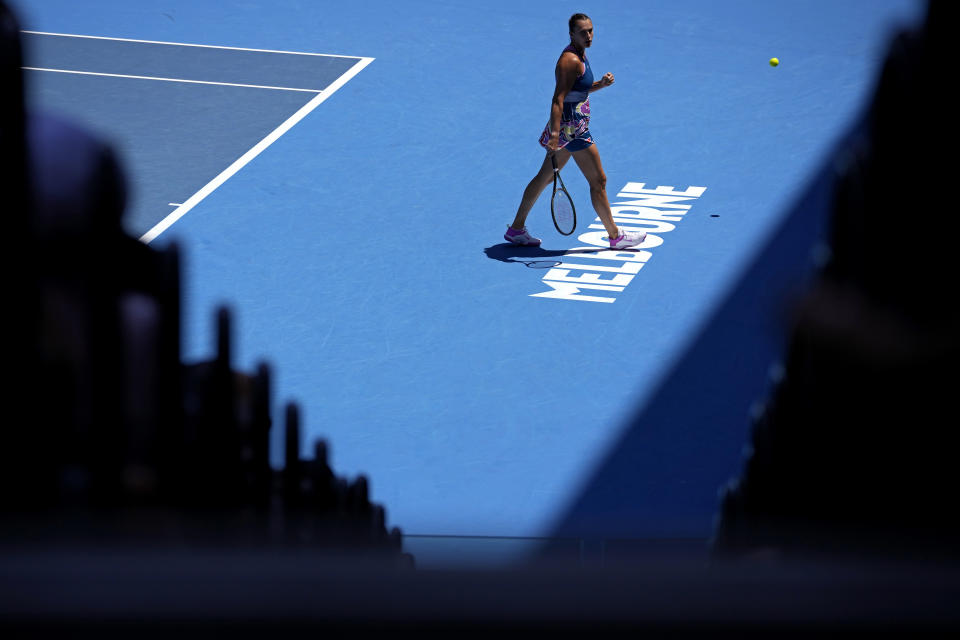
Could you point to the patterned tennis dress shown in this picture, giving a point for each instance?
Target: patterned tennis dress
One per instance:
(575, 121)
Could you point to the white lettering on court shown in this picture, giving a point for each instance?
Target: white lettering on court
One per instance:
(597, 275)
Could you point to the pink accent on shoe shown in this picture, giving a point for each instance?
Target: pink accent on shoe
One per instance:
(628, 239)
(521, 237)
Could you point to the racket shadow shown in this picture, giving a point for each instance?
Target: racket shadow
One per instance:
(533, 257)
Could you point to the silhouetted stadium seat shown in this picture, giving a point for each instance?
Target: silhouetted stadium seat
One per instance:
(848, 223)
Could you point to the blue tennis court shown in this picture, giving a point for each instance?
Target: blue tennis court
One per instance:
(342, 175)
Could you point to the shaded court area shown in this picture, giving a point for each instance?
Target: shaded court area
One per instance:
(172, 109)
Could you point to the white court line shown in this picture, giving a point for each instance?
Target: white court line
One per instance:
(120, 75)
(242, 161)
(185, 44)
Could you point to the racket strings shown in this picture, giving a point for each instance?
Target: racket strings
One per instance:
(561, 204)
(563, 209)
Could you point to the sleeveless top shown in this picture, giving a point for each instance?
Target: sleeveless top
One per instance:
(581, 88)
(575, 119)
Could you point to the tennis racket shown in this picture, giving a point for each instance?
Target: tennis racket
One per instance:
(561, 204)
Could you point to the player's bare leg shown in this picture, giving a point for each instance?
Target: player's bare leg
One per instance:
(541, 181)
(589, 162)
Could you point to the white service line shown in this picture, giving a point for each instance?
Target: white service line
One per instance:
(186, 44)
(120, 75)
(242, 161)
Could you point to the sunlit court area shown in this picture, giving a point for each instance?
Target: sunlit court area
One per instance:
(300, 339)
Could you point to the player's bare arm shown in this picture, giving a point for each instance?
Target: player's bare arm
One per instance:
(567, 72)
(605, 81)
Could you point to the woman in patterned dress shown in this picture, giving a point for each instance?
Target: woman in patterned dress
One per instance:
(568, 134)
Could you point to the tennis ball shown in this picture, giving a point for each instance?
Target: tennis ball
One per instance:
(774, 62)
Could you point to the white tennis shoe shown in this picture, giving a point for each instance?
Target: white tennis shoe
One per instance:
(628, 239)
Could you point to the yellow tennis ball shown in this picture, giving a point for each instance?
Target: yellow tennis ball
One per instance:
(774, 62)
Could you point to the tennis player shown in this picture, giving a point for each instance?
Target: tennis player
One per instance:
(567, 134)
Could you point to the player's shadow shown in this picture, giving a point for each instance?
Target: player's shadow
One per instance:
(532, 257)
